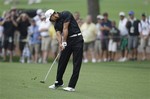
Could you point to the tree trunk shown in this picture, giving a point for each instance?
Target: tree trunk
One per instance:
(93, 9)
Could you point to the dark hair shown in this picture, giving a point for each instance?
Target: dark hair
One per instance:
(143, 15)
(105, 14)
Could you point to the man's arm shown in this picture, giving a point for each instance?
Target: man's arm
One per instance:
(140, 29)
(60, 41)
(65, 31)
(59, 37)
(14, 22)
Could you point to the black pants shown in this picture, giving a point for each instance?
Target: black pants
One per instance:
(75, 47)
(22, 43)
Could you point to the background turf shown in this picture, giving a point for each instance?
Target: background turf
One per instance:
(113, 7)
(129, 80)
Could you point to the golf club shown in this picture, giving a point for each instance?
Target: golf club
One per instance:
(43, 81)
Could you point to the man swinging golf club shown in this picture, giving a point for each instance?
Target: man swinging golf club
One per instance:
(70, 42)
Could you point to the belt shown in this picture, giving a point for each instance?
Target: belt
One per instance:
(75, 35)
(45, 36)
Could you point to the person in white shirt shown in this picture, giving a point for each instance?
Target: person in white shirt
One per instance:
(54, 42)
(100, 18)
(89, 35)
(124, 37)
(37, 18)
(144, 29)
(45, 44)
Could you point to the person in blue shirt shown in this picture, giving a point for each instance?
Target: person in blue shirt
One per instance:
(34, 40)
(105, 28)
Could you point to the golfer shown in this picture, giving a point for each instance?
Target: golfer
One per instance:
(70, 42)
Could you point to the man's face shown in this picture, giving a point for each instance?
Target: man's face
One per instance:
(105, 17)
(121, 17)
(131, 16)
(53, 17)
(143, 18)
(76, 16)
(89, 19)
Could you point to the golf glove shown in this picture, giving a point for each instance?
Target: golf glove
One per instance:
(64, 44)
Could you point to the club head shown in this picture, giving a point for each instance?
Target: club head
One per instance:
(42, 82)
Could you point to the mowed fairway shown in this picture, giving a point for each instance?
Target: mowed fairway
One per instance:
(129, 80)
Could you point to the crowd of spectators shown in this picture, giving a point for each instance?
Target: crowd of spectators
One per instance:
(102, 41)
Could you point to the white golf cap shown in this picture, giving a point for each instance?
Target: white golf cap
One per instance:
(48, 14)
(121, 14)
(100, 17)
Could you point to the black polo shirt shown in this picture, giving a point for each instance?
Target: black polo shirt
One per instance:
(23, 28)
(9, 29)
(66, 16)
(108, 24)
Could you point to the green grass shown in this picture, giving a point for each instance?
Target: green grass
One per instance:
(113, 7)
(129, 80)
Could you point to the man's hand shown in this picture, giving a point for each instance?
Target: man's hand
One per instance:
(62, 46)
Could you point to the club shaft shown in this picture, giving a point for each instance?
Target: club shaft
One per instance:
(51, 67)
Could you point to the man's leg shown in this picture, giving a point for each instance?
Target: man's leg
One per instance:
(130, 46)
(85, 49)
(135, 45)
(77, 61)
(62, 64)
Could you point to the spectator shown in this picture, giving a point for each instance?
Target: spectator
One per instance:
(105, 28)
(98, 38)
(23, 24)
(9, 25)
(43, 28)
(89, 34)
(132, 26)
(15, 15)
(26, 54)
(114, 39)
(1, 36)
(77, 18)
(34, 41)
(76, 15)
(124, 37)
(144, 29)
(37, 18)
(54, 42)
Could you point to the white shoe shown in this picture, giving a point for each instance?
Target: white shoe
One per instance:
(22, 60)
(93, 60)
(144, 58)
(85, 60)
(54, 86)
(29, 61)
(105, 60)
(40, 60)
(69, 89)
(124, 59)
(120, 60)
